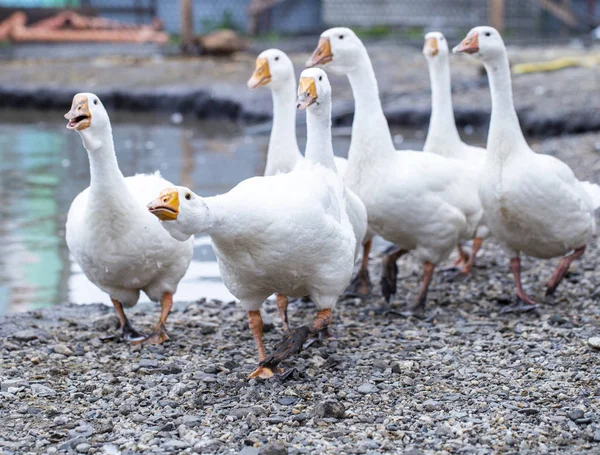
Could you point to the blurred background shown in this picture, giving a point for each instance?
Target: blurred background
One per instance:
(172, 74)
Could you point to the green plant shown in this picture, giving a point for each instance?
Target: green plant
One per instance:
(226, 21)
(376, 31)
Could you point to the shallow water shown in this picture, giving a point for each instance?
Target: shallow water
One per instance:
(43, 166)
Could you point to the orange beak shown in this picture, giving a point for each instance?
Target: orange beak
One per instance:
(166, 206)
(431, 47)
(261, 75)
(79, 116)
(470, 45)
(321, 55)
(307, 92)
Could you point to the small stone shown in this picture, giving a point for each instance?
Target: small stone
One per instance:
(286, 401)
(247, 450)
(575, 414)
(367, 388)
(62, 349)
(594, 342)
(529, 411)
(240, 413)
(597, 436)
(333, 409)
(148, 363)
(84, 447)
(432, 405)
(175, 445)
(403, 366)
(25, 335)
(106, 323)
(12, 383)
(191, 421)
(40, 390)
(273, 448)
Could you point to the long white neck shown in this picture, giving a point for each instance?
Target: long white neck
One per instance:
(318, 135)
(442, 137)
(283, 150)
(370, 131)
(505, 136)
(107, 184)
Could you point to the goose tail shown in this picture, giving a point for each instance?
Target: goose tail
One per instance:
(593, 191)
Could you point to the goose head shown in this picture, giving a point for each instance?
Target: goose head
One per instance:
(314, 91)
(273, 67)
(340, 49)
(182, 212)
(87, 114)
(436, 47)
(484, 43)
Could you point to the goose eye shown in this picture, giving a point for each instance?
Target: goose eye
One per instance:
(276, 58)
(95, 101)
(341, 36)
(188, 196)
(488, 34)
(320, 78)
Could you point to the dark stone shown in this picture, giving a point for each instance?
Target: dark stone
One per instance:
(286, 401)
(273, 448)
(575, 414)
(529, 411)
(333, 409)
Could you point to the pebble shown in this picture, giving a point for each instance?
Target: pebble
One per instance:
(576, 414)
(367, 388)
(594, 342)
(148, 363)
(62, 349)
(83, 447)
(333, 409)
(248, 451)
(40, 390)
(273, 448)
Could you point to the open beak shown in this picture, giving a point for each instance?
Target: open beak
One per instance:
(430, 49)
(166, 206)
(470, 45)
(321, 55)
(79, 116)
(307, 92)
(261, 75)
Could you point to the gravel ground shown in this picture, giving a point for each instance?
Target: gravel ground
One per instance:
(213, 87)
(468, 379)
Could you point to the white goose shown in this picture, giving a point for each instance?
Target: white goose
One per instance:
(534, 203)
(287, 233)
(275, 70)
(419, 201)
(442, 137)
(120, 247)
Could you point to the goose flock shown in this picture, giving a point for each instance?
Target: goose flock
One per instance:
(300, 229)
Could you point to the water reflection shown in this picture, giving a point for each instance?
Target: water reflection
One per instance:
(43, 167)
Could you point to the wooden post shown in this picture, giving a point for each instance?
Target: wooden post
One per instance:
(496, 14)
(187, 24)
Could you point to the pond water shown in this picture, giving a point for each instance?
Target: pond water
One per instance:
(43, 166)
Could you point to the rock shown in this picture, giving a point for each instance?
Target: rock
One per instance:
(211, 446)
(240, 413)
(83, 447)
(106, 323)
(13, 383)
(367, 388)
(248, 451)
(597, 436)
(575, 414)
(273, 448)
(148, 363)
(191, 421)
(432, 405)
(286, 401)
(403, 366)
(40, 390)
(62, 349)
(333, 409)
(25, 335)
(594, 342)
(529, 411)
(175, 445)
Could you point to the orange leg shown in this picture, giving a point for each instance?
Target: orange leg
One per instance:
(255, 323)
(282, 306)
(515, 267)
(562, 269)
(159, 335)
(128, 333)
(419, 307)
(477, 242)
(463, 256)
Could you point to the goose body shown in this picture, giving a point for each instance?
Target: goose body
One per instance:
(120, 247)
(287, 233)
(419, 201)
(442, 137)
(275, 70)
(534, 203)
